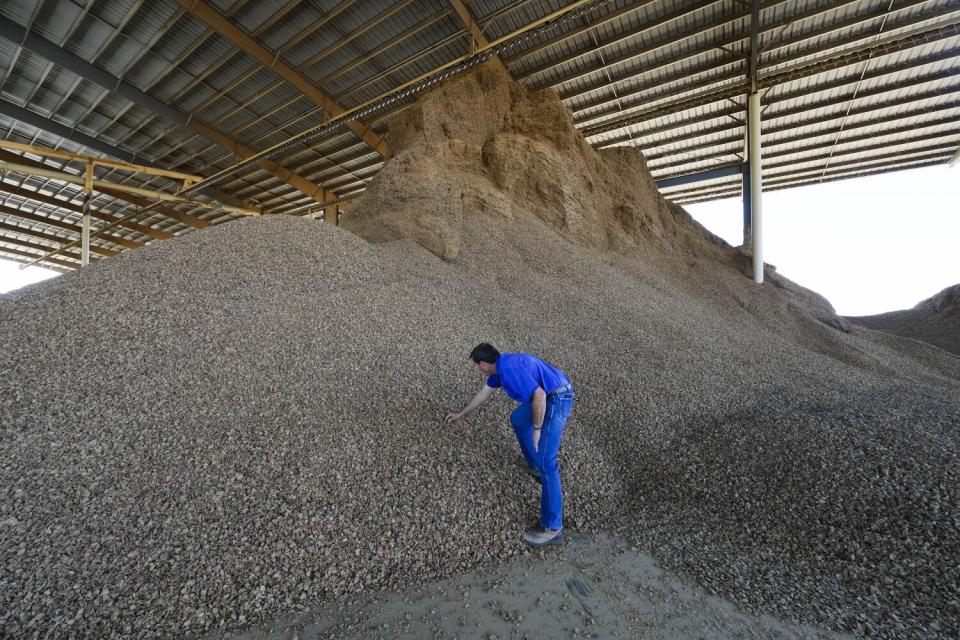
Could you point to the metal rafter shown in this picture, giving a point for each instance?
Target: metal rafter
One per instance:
(49, 237)
(829, 102)
(94, 74)
(832, 151)
(792, 180)
(354, 33)
(61, 224)
(730, 60)
(713, 149)
(608, 17)
(41, 199)
(227, 29)
(25, 262)
(31, 257)
(364, 58)
(914, 81)
(709, 24)
(826, 63)
(259, 118)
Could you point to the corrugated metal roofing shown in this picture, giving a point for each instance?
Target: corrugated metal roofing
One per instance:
(667, 76)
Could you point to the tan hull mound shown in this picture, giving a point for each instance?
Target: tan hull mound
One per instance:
(480, 157)
(482, 145)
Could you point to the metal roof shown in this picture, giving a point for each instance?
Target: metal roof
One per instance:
(849, 87)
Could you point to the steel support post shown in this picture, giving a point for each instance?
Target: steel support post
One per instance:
(756, 186)
(85, 234)
(745, 191)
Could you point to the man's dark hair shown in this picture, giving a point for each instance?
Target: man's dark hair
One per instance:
(484, 352)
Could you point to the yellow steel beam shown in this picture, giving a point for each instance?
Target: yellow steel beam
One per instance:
(187, 219)
(470, 25)
(75, 228)
(122, 189)
(20, 260)
(269, 60)
(157, 234)
(28, 167)
(477, 39)
(103, 162)
(32, 257)
(12, 228)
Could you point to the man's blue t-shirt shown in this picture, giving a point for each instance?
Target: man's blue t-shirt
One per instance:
(521, 374)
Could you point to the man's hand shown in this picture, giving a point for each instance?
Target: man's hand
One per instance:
(453, 417)
(536, 439)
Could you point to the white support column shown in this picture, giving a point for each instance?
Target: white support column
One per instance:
(85, 234)
(756, 186)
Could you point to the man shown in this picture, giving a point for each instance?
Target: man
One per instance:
(546, 399)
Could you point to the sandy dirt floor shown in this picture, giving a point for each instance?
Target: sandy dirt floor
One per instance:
(590, 587)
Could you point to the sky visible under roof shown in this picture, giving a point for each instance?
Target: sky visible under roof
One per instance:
(869, 245)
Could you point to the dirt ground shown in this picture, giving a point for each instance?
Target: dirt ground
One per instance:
(591, 587)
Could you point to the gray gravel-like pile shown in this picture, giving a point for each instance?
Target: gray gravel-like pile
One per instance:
(935, 320)
(246, 421)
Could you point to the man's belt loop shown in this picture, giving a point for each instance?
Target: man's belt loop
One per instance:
(566, 387)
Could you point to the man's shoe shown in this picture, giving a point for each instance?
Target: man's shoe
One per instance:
(544, 538)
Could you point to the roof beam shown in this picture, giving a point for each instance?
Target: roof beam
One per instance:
(185, 218)
(724, 171)
(477, 39)
(32, 257)
(39, 122)
(711, 147)
(15, 33)
(32, 217)
(826, 63)
(621, 99)
(36, 246)
(632, 52)
(474, 30)
(228, 30)
(820, 104)
(47, 152)
(56, 202)
(34, 196)
(789, 181)
(49, 237)
(701, 176)
(613, 15)
(936, 152)
(360, 60)
(19, 260)
(122, 190)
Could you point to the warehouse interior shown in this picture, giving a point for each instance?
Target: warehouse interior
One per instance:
(236, 428)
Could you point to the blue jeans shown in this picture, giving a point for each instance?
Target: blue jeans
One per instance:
(544, 459)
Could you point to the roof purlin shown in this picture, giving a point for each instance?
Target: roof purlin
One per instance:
(221, 25)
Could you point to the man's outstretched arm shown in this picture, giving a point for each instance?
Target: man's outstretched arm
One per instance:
(478, 399)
